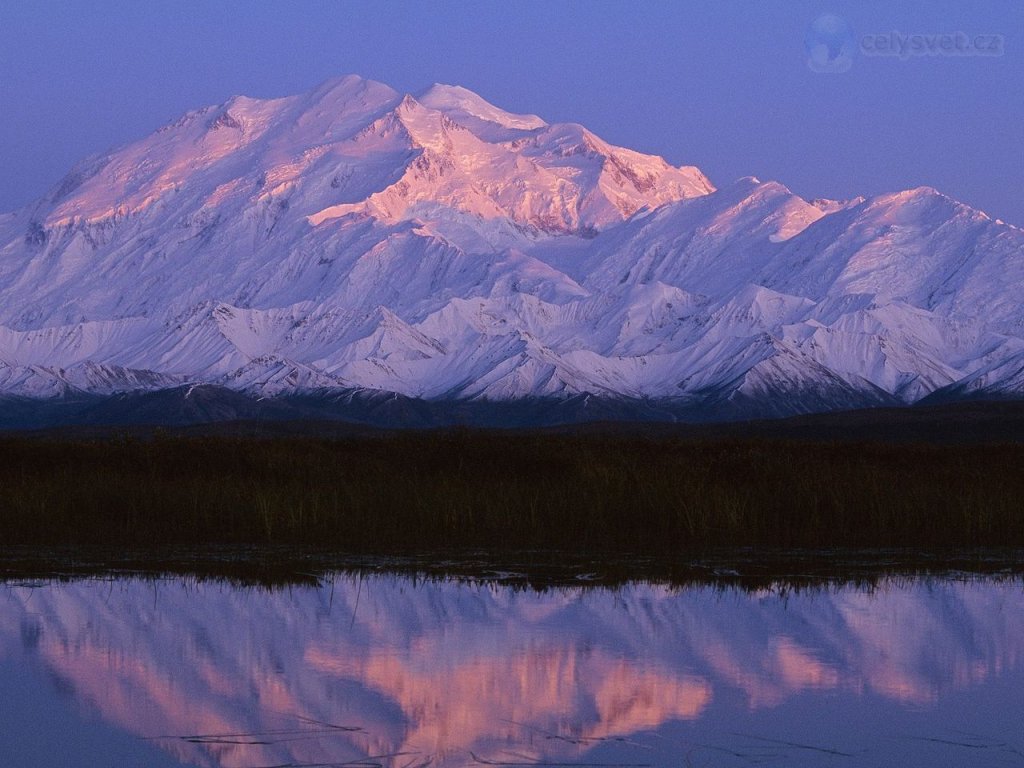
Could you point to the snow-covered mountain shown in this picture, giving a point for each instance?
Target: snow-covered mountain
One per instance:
(435, 246)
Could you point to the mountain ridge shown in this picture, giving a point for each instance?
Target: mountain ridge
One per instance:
(435, 246)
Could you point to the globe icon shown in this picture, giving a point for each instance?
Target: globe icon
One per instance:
(830, 44)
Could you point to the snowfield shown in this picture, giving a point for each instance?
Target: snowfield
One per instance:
(438, 247)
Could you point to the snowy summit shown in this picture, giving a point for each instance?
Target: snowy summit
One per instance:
(436, 246)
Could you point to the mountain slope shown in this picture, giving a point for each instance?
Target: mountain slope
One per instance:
(436, 246)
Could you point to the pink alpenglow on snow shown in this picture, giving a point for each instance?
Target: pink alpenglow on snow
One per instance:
(437, 246)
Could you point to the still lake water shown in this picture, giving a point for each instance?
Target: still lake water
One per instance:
(384, 670)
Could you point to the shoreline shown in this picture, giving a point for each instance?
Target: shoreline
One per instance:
(745, 569)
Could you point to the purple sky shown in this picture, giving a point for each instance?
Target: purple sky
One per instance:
(723, 85)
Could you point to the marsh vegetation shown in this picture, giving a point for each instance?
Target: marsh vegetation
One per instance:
(412, 491)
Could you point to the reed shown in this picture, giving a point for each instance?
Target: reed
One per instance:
(412, 491)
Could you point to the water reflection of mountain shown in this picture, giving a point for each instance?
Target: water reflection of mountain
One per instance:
(450, 671)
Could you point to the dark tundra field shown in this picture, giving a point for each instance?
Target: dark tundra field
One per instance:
(593, 492)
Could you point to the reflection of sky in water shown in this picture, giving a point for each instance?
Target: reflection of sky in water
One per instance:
(464, 673)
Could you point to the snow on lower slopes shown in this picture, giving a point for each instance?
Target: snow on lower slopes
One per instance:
(437, 246)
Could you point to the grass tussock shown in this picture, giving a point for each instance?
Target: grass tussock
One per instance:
(464, 489)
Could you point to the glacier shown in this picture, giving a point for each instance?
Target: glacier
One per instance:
(434, 247)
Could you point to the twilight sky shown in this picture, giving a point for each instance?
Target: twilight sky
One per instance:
(724, 85)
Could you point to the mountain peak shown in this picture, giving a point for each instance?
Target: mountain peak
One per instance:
(349, 84)
(921, 200)
(464, 106)
(408, 105)
(438, 246)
